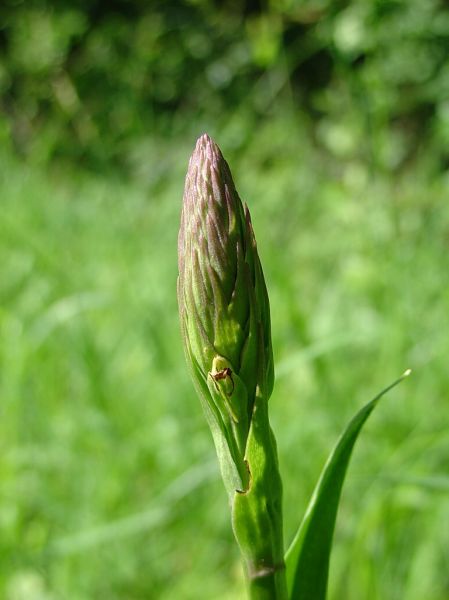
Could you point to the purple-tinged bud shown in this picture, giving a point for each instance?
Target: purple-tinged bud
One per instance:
(223, 301)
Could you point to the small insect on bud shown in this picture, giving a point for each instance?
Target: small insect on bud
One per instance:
(223, 305)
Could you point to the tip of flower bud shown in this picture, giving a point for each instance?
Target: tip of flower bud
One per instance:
(204, 139)
(206, 150)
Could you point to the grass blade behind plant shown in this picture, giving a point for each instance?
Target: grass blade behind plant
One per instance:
(307, 559)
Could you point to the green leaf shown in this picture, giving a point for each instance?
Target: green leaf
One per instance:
(307, 559)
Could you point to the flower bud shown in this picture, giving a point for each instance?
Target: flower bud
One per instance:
(223, 304)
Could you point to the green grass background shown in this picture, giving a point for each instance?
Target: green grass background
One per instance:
(109, 483)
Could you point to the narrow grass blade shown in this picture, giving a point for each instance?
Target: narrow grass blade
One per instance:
(307, 559)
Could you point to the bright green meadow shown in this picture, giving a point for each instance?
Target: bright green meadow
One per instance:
(110, 488)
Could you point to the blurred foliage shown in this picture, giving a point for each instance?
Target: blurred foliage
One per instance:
(109, 481)
(96, 82)
(334, 117)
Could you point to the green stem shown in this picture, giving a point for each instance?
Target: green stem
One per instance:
(257, 512)
(271, 586)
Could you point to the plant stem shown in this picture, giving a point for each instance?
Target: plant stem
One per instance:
(257, 512)
(271, 586)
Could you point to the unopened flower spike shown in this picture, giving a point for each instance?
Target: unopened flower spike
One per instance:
(225, 322)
